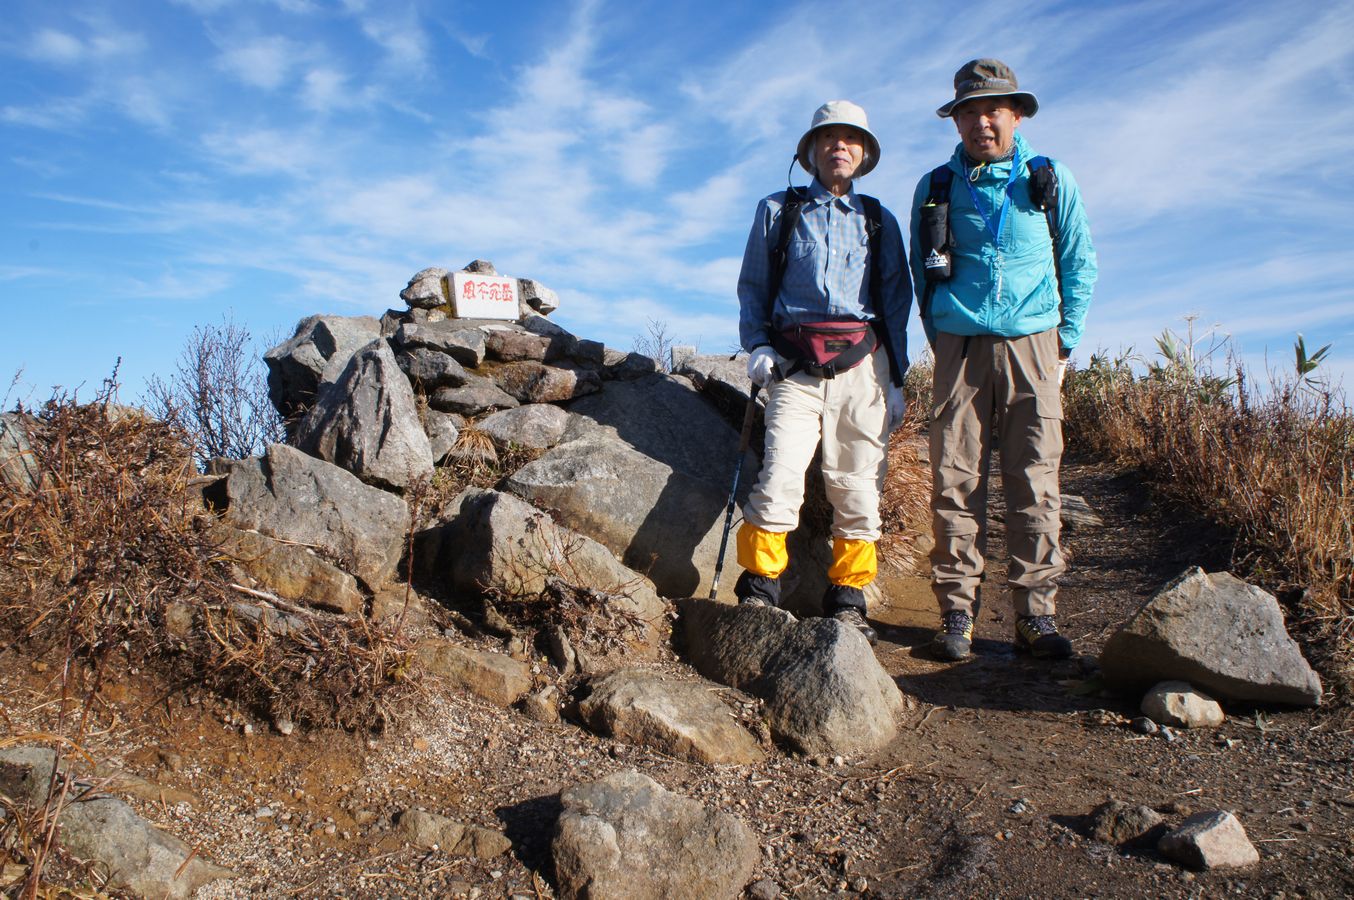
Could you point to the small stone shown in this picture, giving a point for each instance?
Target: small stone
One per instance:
(421, 744)
(263, 812)
(1166, 734)
(247, 730)
(284, 727)
(1019, 807)
(1143, 725)
(839, 760)
(766, 889)
(330, 829)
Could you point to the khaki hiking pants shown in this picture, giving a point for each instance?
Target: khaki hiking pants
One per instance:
(848, 415)
(994, 392)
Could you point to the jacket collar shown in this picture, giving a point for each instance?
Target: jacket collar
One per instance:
(1002, 168)
(821, 196)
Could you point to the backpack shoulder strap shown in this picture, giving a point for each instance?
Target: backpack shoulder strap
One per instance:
(874, 218)
(1044, 196)
(941, 178)
(795, 198)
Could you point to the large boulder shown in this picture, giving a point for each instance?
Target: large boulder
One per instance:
(627, 838)
(1218, 633)
(536, 296)
(291, 496)
(140, 858)
(537, 426)
(824, 689)
(428, 369)
(426, 289)
(496, 677)
(367, 422)
(679, 718)
(643, 469)
(465, 344)
(477, 395)
(316, 353)
(496, 542)
(537, 382)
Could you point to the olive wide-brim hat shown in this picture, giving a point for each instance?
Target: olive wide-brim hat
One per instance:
(840, 112)
(987, 78)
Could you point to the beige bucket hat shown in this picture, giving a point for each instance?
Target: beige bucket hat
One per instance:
(987, 78)
(840, 112)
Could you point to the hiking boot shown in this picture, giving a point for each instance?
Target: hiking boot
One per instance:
(852, 618)
(757, 590)
(1039, 635)
(954, 640)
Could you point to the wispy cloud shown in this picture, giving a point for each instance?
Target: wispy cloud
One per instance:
(262, 62)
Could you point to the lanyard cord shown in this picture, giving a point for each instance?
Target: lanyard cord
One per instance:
(1005, 198)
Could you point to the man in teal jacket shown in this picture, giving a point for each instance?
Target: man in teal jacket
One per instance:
(1003, 309)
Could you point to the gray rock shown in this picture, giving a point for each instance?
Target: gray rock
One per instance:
(367, 422)
(1209, 840)
(291, 571)
(538, 426)
(535, 382)
(17, 465)
(443, 429)
(428, 370)
(495, 541)
(1178, 703)
(766, 889)
(1217, 632)
(628, 366)
(724, 377)
(465, 344)
(825, 692)
(537, 296)
(563, 344)
(478, 395)
(626, 838)
(480, 267)
(1077, 514)
(679, 718)
(426, 290)
(427, 830)
(515, 346)
(1119, 823)
(496, 677)
(294, 497)
(140, 858)
(316, 353)
(643, 469)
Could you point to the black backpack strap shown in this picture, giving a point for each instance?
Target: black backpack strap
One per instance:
(795, 198)
(874, 224)
(1044, 196)
(938, 195)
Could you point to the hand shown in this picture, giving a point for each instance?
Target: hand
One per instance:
(1062, 371)
(896, 404)
(762, 366)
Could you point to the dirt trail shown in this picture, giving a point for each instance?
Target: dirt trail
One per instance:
(980, 795)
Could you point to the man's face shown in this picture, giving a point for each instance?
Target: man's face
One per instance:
(838, 150)
(987, 126)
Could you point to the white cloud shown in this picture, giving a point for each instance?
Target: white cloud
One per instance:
(54, 46)
(263, 62)
(263, 151)
(324, 90)
(402, 38)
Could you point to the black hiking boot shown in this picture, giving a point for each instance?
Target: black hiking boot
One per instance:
(847, 605)
(1039, 635)
(757, 590)
(954, 640)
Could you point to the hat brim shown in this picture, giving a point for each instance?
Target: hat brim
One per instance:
(1031, 102)
(867, 165)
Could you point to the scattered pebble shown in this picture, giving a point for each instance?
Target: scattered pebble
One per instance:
(1143, 725)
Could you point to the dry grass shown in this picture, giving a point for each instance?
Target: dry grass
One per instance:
(108, 561)
(1277, 467)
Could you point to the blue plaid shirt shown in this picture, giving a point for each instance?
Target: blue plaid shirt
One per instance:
(827, 274)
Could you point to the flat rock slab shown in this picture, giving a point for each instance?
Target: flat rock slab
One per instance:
(1209, 840)
(498, 678)
(537, 426)
(1178, 703)
(291, 571)
(825, 692)
(1216, 632)
(1077, 515)
(463, 343)
(627, 838)
(139, 857)
(294, 497)
(427, 830)
(679, 718)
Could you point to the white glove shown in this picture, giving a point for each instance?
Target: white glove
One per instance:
(896, 404)
(1062, 371)
(762, 366)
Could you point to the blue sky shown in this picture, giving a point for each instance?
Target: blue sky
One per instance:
(165, 162)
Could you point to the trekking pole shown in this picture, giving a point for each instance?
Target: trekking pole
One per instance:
(743, 440)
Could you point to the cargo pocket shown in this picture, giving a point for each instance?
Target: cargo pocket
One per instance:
(1048, 399)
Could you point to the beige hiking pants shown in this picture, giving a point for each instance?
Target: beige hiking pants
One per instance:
(994, 392)
(848, 414)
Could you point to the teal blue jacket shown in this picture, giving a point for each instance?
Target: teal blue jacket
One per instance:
(968, 303)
